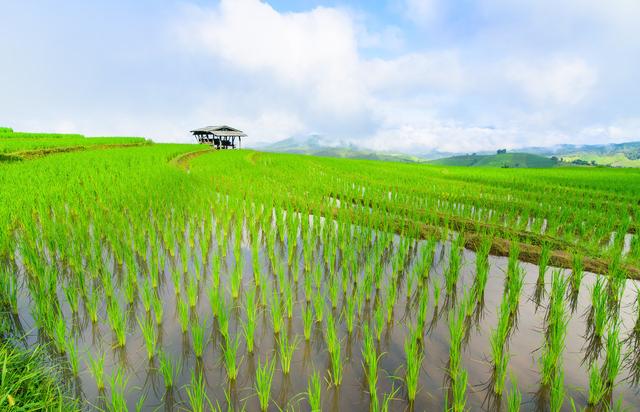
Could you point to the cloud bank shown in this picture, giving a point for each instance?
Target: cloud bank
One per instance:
(415, 75)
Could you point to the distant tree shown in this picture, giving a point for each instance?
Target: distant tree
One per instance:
(473, 154)
(502, 151)
(555, 159)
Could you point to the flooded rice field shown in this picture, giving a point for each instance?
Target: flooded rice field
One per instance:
(339, 288)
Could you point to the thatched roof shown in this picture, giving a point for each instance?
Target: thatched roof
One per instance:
(219, 131)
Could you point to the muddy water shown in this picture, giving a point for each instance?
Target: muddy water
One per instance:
(287, 391)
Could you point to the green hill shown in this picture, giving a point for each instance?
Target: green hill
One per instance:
(512, 160)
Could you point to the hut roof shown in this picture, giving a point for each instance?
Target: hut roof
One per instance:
(219, 131)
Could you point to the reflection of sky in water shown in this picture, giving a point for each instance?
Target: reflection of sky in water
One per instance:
(524, 346)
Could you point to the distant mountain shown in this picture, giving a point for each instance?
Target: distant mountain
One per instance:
(615, 154)
(317, 145)
(511, 160)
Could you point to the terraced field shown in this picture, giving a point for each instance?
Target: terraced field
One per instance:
(161, 276)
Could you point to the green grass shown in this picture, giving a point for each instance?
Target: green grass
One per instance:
(29, 381)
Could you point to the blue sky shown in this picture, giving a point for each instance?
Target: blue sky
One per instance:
(409, 75)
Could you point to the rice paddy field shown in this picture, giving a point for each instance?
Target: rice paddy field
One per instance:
(173, 277)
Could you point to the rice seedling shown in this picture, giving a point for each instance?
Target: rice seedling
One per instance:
(223, 316)
(150, 336)
(414, 357)
(597, 386)
(288, 299)
(72, 353)
(599, 308)
(551, 359)
(198, 340)
(335, 374)
(96, 368)
(307, 318)
(318, 306)
(158, 309)
(543, 262)
(556, 395)
(313, 392)
(183, 315)
(118, 321)
(192, 292)
(459, 391)
(286, 350)
(264, 378)
(197, 394)
(482, 267)
(455, 262)
(613, 358)
(117, 400)
(176, 278)
(308, 288)
(168, 369)
(91, 304)
(349, 312)
(229, 353)
(60, 334)
(378, 317)
(277, 319)
(514, 398)
(235, 280)
(248, 330)
(500, 355)
(146, 295)
(371, 359)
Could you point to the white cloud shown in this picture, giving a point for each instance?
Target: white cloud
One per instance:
(558, 81)
(421, 11)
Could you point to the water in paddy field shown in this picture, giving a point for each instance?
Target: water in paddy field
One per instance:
(524, 344)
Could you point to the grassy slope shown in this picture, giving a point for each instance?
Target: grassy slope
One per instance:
(615, 160)
(14, 143)
(514, 160)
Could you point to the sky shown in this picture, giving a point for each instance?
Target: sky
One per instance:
(404, 75)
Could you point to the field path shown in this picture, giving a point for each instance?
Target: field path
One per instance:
(36, 154)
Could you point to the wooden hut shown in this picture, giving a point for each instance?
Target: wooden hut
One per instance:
(220, 137)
